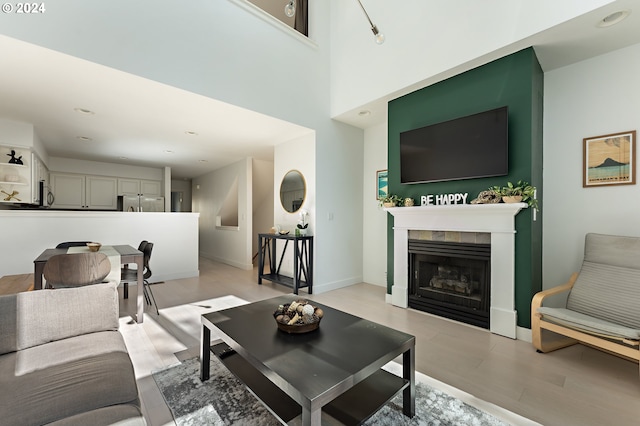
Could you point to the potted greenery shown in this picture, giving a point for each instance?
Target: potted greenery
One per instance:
(391, 200)
(521, 191)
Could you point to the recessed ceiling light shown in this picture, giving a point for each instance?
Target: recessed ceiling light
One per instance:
(191, 133)
(203, 161)
(613, 18)
(122, 158)
(168, 151)
(84, 138)
(84, 111)
(364, 113)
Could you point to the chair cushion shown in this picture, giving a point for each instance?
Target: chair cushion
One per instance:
(50, 382)
(612, 250)
(35, 317)
(588, 323)
(607, 292)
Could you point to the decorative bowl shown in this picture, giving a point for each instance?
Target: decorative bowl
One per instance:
(94, 246)
(298, 317)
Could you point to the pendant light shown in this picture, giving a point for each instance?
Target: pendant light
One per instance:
(290, 8)
(376, 33)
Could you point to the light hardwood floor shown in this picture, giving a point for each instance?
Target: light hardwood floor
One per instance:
(572, 386)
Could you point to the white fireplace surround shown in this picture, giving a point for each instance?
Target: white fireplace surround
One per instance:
(497, 219)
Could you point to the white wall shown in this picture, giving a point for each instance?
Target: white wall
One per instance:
(16, 133)
(297, 154)
(263, 200)
(595, 97)
(429, 41)
(374, 219)
(218, 49)
(230, 245)
(338, 242)
(26, 234)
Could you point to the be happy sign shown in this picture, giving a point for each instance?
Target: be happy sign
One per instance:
(443, 199)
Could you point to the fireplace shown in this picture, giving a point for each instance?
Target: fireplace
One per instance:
(496, 219)
(450, 279)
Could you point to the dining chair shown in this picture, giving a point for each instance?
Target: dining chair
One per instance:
(128, 275)
(125, 271)
(77, 269)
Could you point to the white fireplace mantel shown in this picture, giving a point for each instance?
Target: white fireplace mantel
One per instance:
(497, 219)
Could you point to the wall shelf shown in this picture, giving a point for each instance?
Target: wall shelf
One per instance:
(16, 177)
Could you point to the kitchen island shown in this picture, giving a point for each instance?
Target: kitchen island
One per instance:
(26, 233)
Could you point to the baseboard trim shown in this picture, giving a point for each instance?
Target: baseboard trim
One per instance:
(322, 288)
(524, 334)
(235, 264)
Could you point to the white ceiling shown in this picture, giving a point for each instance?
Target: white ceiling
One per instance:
(135, 120)
(570, 42)
(142, 122)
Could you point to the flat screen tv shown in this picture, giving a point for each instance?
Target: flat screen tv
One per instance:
(474, 146)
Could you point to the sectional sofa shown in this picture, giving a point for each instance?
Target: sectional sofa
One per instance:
(63, 360)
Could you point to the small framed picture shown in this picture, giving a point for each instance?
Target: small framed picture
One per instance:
(609, 160)
(382, 185)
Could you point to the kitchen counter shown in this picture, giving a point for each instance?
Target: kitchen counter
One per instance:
(26, 233)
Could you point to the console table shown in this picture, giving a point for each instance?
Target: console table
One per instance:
(302, 260)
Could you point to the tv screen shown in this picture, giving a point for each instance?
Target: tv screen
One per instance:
(474, 146)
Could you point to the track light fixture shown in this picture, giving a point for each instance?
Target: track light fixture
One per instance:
(290, 8)
(377, 34)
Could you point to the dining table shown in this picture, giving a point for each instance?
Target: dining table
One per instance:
(127, 253)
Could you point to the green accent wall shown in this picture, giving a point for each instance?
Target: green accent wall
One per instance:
(517, 82)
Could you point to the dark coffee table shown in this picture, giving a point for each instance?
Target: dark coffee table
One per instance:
(335, 369)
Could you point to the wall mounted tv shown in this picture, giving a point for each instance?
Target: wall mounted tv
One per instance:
(474, 146)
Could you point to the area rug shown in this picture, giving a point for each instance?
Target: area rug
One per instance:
(224, 400)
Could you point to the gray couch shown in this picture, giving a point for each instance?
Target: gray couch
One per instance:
(63, 360)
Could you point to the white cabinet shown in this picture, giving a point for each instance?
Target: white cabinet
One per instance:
(139, 187)
(128, 186)
(101, 193)
(68, 191)
(15, 178)
(72, 191)
(150, 187)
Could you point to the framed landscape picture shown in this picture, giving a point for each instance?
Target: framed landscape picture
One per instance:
(609, 160)
(382, 186)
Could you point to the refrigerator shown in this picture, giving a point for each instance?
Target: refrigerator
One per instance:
(140, 203)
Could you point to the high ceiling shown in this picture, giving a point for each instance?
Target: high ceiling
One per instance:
(142, 122)
(132, 120)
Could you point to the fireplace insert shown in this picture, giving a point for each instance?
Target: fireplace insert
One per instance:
(451, 280)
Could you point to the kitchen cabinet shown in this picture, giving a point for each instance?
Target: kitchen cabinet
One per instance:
(15, 179)
(139, 187)
(151, 188)
(73, 191)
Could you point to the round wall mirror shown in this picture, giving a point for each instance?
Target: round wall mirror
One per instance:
(293, 191)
